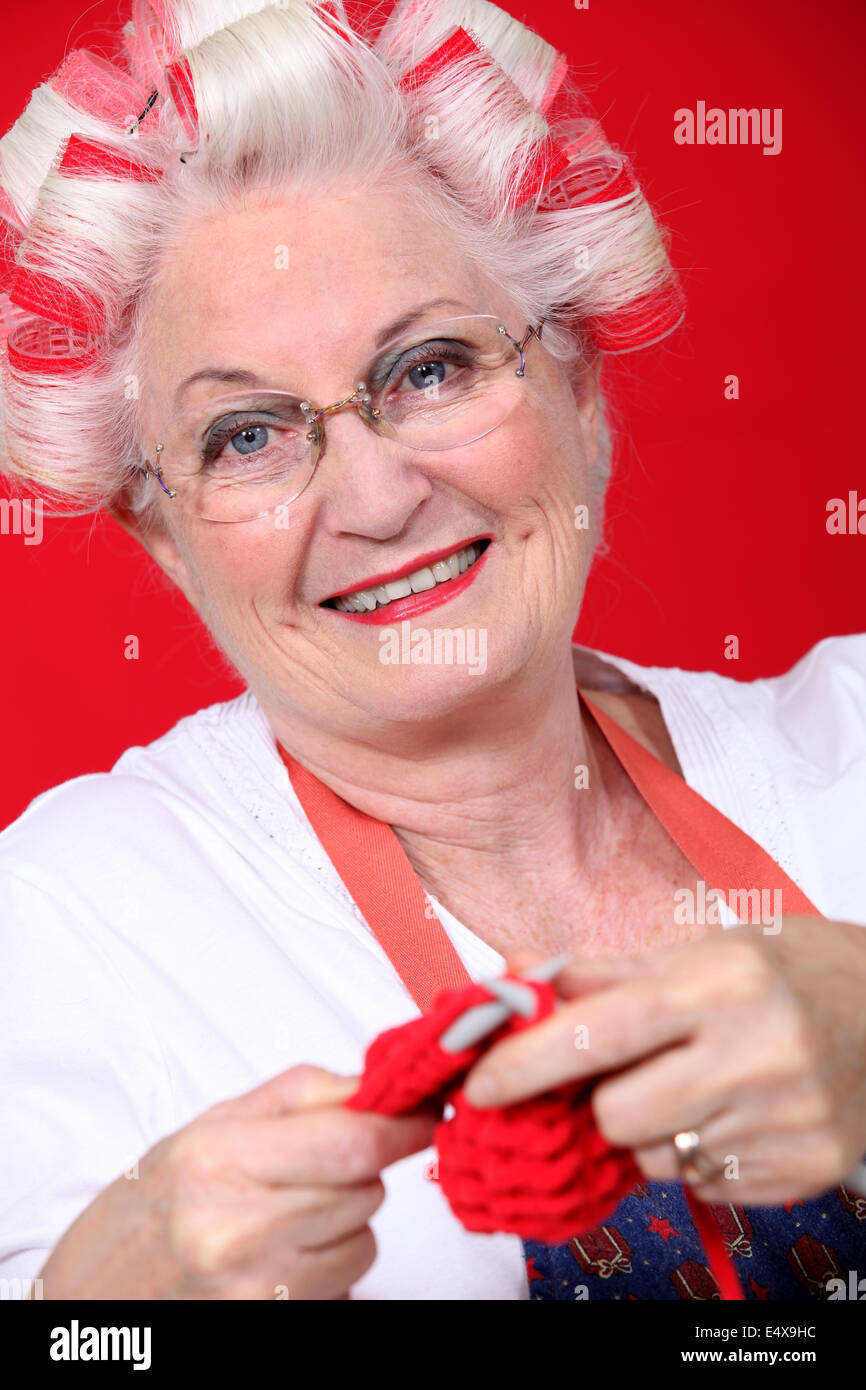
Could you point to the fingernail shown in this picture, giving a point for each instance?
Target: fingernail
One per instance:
(483, 1090)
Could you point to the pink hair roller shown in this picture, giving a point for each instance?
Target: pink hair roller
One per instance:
(168, 30)
(92, 84)
(145, 41)
(37, 346)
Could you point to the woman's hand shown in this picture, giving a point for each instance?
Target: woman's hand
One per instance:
(756, 1042)
(264, 1196)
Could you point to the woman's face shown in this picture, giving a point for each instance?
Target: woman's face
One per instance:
(299, 294)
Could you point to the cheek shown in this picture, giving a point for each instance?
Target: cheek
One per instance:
(537, 459)
(239, 564)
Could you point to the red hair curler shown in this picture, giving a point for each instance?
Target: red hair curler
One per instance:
(39, 346)
(455, 49)
(12, 234)
(555, 81)
(646, 321)
(84, 157)
(48, 298)
(178, 80)
(548, 162)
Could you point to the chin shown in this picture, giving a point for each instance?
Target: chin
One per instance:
(422, 674)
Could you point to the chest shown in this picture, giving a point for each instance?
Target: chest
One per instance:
(642, 893)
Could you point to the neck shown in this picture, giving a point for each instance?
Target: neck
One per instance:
(479, 805)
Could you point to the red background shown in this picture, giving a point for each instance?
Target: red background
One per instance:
(717, 516)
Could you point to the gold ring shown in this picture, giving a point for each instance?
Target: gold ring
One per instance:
(691, 1161)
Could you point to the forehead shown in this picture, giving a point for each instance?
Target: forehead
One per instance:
(300, 285)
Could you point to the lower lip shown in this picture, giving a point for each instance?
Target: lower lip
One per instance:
(416, 604)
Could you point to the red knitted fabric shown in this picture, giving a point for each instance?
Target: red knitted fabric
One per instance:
(539, 1169)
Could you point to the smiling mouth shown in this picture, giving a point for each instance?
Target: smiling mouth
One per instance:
(444, 571)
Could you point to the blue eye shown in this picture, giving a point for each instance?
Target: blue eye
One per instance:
(250, 439)
(426, 373)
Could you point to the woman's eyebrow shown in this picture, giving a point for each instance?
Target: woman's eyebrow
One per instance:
(237, 376)
(234, 375)
(394, 329)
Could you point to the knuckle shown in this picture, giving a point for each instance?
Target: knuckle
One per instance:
(364, 1253)
(610, 1116)
(374, 1193)
(196, 1155)
(748, 976)
(826, 1163)
(815, 1107)
(794, 1046)
(209, 1248)
(357, 1148)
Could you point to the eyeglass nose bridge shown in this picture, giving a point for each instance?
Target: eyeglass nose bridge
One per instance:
(360, 399)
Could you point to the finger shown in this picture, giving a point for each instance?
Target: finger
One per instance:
(330, 1271)
(587, 974)
(675, 1090)
(300, 1088)
(318, 1216)
(524, 958)
(326, 1147)
(583, 1039)
(743, 1168)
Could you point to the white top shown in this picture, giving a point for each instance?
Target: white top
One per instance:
(174, 934)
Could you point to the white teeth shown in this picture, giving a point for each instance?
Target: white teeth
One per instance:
(422, 580)
(398, 588)
(442, 572)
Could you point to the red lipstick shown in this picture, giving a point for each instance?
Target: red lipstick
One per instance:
(416, 604)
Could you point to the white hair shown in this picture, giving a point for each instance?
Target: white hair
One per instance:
(288, 96)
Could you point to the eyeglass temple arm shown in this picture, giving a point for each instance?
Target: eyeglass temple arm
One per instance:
(520, 347)
(155, 471)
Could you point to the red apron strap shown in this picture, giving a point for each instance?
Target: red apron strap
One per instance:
(723, 854)
(376, 871)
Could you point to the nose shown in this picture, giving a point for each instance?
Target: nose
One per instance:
(370, 485)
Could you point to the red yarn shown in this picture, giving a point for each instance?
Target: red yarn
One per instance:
(540, 1169)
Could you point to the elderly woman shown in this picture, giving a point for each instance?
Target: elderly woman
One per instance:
(317, 309)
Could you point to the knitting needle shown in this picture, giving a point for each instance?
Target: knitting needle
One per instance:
(511, 998)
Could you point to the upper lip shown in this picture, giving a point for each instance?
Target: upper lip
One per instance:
(420, 562)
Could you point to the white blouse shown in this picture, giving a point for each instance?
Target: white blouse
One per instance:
(174, 934)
